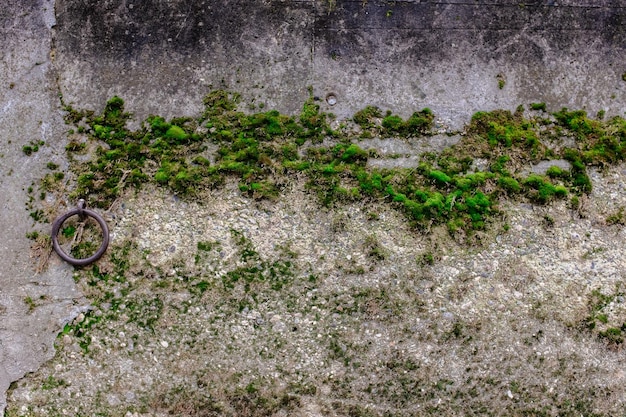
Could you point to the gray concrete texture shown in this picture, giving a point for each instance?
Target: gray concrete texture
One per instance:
(29, 112)
(401, 55)
(163, 56)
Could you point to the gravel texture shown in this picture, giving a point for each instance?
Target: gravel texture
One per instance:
(229, 306)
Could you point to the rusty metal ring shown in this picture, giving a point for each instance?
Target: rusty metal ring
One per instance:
(82, 212)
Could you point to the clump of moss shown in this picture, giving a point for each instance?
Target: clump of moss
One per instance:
(616, 218)
(219, 102)
(538, 106)
(501, 127)
(113, 115)
(313, 121)
(371, 119)
(599, 322)
(418, 124)
(393, 124)
(32, 147)
(556, 172)
(598, 143)
(541, 190)
(368, 117)
(501, 81)
(578, 122)
(509, 185)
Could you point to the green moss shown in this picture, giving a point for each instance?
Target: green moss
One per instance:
(68, 231)
(368, 117)
(74, 146)
(426, 258)
(556, 172)
(370, 183)
(509, 185)
(541, 190)
(263, 150)
(498, 165)
(261, 189)
(177, 133)
(113, 154)
(501, 127)
(501, 81)
(86, 180)
(207, 246)
(32, 235)
(158, 125)
(393, 124)
(450, 162)
(84, 250)
(113, 114)
(218, 103)
(616, 218)
(538, 106)
(37, 215)
(613, 335)
(439, 177)
(312, 120)
(350, 153)
(162, 176)
(578, 122)
(580, 181)
(102, 132)
(51, 383)
(419, 122)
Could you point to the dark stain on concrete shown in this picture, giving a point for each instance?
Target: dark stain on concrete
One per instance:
(242, 44)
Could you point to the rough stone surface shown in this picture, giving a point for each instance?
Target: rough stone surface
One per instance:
(455, 57)
(29, 113)
(499, 325)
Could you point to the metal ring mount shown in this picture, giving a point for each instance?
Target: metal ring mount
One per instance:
(82, 211)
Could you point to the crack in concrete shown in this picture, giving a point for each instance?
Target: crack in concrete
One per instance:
(30, 110)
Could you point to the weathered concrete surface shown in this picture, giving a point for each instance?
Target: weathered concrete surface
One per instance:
(163, 56)
(29, 112)
(448, 55)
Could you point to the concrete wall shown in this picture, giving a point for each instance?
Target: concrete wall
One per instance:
(164, 56)
(29, 112)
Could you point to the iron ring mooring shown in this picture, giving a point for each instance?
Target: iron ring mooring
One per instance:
(81, 211)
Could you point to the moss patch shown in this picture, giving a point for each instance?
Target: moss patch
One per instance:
(264, 150)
